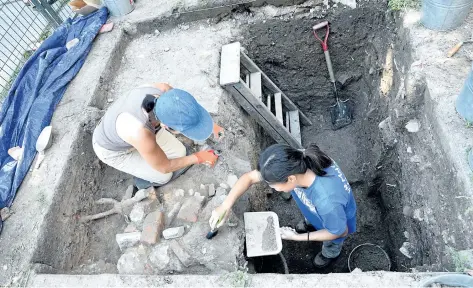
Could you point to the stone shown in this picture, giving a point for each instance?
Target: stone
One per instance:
(156, 32)
(127, 240)
(130, 28)
(191, 192)
(221, 191)
(407, 249)
(181, 254)
(413, 126)
(133, 262)
(5, 213)
(415, 159)
(150, 205)
(130, 228)
(184, 27)
(174, 232)
(172, 214)
(371, 71)
(152, 227)
(409, 149)
(231, 180)
(224, 186)
(406, 234)
(166, 49)
(190, 209)
(179, 193)
(152, 194)
(128, 192)
(159, 257)
(137, 214)
(211, 190)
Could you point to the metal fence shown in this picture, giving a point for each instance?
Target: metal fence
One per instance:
(24, 24)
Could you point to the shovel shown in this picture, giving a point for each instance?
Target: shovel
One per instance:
(341, 113)
(44, 142)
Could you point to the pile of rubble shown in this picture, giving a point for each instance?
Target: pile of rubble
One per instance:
(157, 241)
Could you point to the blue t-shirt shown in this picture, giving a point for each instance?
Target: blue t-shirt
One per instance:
(328, 203)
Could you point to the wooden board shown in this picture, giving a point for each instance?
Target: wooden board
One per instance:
(278, 107)
(266, 82)
(295, 125)
(262, 114)
(230, 64)
(255, 85)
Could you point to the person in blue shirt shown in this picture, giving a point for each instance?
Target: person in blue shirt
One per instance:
(319, 188)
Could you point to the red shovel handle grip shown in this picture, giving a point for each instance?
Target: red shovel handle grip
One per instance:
(320, 26)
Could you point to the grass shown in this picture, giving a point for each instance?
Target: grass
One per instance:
(460, 260)
(403, 4)
(469, 124)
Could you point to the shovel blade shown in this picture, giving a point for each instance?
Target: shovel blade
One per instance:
(341, 114)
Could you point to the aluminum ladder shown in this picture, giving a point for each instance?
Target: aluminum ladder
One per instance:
(260, 97)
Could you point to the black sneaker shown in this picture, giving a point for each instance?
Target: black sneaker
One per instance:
(304, 227)
(320, 261)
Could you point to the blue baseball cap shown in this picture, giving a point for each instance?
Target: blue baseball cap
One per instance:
(180, 111)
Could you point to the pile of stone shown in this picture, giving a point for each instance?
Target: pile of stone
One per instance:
(165, 242)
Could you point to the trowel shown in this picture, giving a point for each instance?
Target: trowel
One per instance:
(43, 143)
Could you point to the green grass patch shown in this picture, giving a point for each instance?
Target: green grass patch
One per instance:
(403, 4)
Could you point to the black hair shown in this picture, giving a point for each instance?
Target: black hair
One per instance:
(279, 161)
(148, 103)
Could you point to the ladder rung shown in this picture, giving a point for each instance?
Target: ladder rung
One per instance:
(288, 127)
(255, 84)
(268, 102)
(278, 107)
(247, 79)
(295, 125)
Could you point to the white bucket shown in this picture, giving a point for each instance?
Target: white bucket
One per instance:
(119, 7)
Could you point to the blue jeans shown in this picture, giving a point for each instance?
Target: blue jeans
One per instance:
(331, 249)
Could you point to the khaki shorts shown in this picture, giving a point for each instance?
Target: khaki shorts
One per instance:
(131, 162)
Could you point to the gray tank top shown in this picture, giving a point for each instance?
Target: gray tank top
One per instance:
(105, 134)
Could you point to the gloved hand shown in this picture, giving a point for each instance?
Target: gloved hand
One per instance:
(218, 132)
(287, 233)
(219, 216)
(206, 157)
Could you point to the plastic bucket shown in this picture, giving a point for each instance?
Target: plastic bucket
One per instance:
(464, 104)
(119, 7)
(445, 15)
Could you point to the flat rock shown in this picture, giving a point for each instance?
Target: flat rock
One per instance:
(137, 214)
(231, 180)
(159, 256)
(181, 253)
(152, 227)
(211, 190)
(174, 232)
(127, 240)
(221, 191)
(133, 262)
(190, 209)
(172, 214)
(413, 126)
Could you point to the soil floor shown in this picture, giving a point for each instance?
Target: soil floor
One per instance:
(290, 55)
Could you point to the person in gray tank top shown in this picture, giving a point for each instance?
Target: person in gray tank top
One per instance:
(136, 134)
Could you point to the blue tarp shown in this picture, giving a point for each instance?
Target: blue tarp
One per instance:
(35, 94)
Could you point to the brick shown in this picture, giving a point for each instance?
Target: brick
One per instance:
(181, 254)
(174, 232)
(211, 190)
(173, 213)
(152, 227)
(190, 209)
(127, 240)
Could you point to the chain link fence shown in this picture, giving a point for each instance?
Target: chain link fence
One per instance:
(24, 24)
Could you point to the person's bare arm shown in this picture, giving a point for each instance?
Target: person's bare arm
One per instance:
(319, 235)
(162, 86)
(144, 141)
(241, 186)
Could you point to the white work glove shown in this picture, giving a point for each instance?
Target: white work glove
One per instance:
(287, 233)
(220, 213)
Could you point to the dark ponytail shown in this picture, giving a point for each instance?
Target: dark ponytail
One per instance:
(148, 103)
(279, 161)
